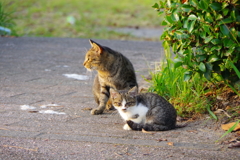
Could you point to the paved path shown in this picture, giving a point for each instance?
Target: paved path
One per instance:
(33, 74)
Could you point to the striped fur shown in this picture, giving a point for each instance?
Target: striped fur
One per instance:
(147, 111)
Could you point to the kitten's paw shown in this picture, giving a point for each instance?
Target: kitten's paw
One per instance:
(96, 111)
(126, 127)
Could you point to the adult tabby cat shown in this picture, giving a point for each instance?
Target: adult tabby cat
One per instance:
(146, 111)
(114, 70)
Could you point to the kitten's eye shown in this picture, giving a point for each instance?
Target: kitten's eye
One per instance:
(117, 104)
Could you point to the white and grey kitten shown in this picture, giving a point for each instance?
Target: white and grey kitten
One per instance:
(147, 111)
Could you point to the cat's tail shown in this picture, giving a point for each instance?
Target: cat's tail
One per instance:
(148, 127)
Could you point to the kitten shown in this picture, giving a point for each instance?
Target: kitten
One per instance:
(147, 111)
(114, 71)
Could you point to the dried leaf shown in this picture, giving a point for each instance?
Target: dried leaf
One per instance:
(147, 132)
(229, 125)
(228, 108)
(33, 111)
(159, 140)
(170, 143)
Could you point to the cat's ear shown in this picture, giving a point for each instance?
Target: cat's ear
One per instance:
(98, 48)
(113, 93)
(133, 91)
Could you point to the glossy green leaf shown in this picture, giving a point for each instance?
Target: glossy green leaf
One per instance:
(187, 75)
(226, 20)
(213, 58)
(215, 41)
(201, 58)
(203, 4)
(208, 17)
(190, 26)
(156, 6)
(219, 16)
(208, 75)
(224, 29)
(209, 67)
(225, 11)
(227, 43)
(202, 34)
(224, 5)
(164, 23)
(195, 3)
(185, 23)
(229, 51)
(187, 8)
(216, 48)
(233, 15)
(202, 67)
(175, 16)
(180, 35)
(169, 19)
(192, 17)
(206, 27)
(208, 39)
(216, 6)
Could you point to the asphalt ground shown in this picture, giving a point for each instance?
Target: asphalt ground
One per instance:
(45, 110)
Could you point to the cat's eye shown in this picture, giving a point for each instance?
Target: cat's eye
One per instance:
(117, 104)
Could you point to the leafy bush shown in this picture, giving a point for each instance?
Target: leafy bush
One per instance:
(204, 35)
(6, 22)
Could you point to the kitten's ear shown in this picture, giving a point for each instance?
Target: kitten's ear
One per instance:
(98, 48)
(133, 91)
(113, 93)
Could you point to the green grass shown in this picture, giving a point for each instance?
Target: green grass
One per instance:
(186, 96)
(49, 17)
(6, 22)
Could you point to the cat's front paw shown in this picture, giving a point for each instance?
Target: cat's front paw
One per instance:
(126, 127)
(96, 111)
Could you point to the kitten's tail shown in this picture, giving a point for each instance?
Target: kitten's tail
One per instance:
(148, 127)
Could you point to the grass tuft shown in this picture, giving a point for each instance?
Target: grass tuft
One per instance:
(186, 96)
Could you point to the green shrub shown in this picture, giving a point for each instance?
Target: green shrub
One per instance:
(204, 35)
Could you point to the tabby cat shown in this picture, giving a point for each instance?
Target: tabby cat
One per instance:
(147, 111)
(114, 70)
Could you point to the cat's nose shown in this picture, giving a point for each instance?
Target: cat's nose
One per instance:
(124, 109)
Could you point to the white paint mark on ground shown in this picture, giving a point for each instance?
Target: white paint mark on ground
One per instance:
(47, 70)
(77, 76)
(27, 107)
(50, 112)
